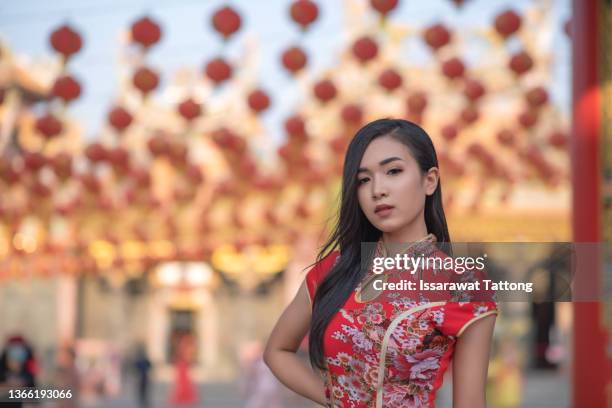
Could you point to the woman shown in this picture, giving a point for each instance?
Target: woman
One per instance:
(375, 348)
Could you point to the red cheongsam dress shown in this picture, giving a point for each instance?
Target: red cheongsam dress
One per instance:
(392, 351)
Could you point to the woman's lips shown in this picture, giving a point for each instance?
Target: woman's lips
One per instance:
(384, 212)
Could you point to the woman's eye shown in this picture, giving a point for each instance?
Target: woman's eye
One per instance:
(363, 180)
(394, 171)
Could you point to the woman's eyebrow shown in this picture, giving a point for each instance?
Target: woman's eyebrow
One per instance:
(381, 163)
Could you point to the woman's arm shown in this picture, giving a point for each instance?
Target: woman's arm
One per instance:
(284, 341)
(470, 364)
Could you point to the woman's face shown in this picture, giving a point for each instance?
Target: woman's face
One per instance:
(391, 188)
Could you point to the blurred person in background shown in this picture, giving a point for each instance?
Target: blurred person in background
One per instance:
(142, 367)
(18, 368)
(557, 273)
(184, 392)
(67, 376)
(258, 386)
(506, 385)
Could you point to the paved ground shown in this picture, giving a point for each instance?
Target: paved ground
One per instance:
(541, 390)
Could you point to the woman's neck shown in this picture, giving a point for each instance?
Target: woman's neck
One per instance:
(404, 236)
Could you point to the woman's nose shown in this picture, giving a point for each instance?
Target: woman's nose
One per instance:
(379, 189)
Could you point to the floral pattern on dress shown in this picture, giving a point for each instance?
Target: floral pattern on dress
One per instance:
(418, 350)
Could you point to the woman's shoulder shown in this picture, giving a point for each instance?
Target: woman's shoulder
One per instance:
(319, 270)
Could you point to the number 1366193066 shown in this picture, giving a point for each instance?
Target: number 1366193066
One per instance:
(28, 394)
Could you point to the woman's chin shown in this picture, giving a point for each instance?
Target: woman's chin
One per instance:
(387, 226)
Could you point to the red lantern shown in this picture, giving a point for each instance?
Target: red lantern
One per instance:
(304, 12)
(62, 165)
(294, 59)
(39, 189)
(302, 211)
(226, 139)
(189, 109)
(158, 145)
(194, 174)
(295, 126)
(338, 144)
(184, 194)
(450, 132)
(218, 70)
(119, 118)
(263, 241)
(558, 139)
(271, 217)
(506, 137)
(352, 114)
(145, 80)
(146, 32)
(537, 97)
(473, 90)
(520, 63)
(325, 90)
(226, 188)
(222, 137)
(469, 114)
(226, 21)
(90, 182)
(240, 245)
(453, 68)
(528, 119)
(365, 49)
(66, 209)
(49, 126)
(383, 7)
(34, 161)
(130, 195)
(66, 88)
(237, 144)
(390, 79)
(437, 36)
(534, 156)
(284, 152)
(267, 183)
(8, 172)
(507, 23)
(119, 158)
(258, 101)
(141, 178)
(248, 167)
(476, 150)
(66, 41)
(96, 153)
(417, 102)
(178, 154)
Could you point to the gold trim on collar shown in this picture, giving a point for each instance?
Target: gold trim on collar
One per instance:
(427, 238)
(382, 250)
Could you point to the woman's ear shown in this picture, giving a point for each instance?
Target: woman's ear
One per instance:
(431, 180)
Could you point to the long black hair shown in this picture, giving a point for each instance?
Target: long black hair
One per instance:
(353, 228)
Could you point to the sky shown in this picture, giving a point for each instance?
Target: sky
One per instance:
(189, 40)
